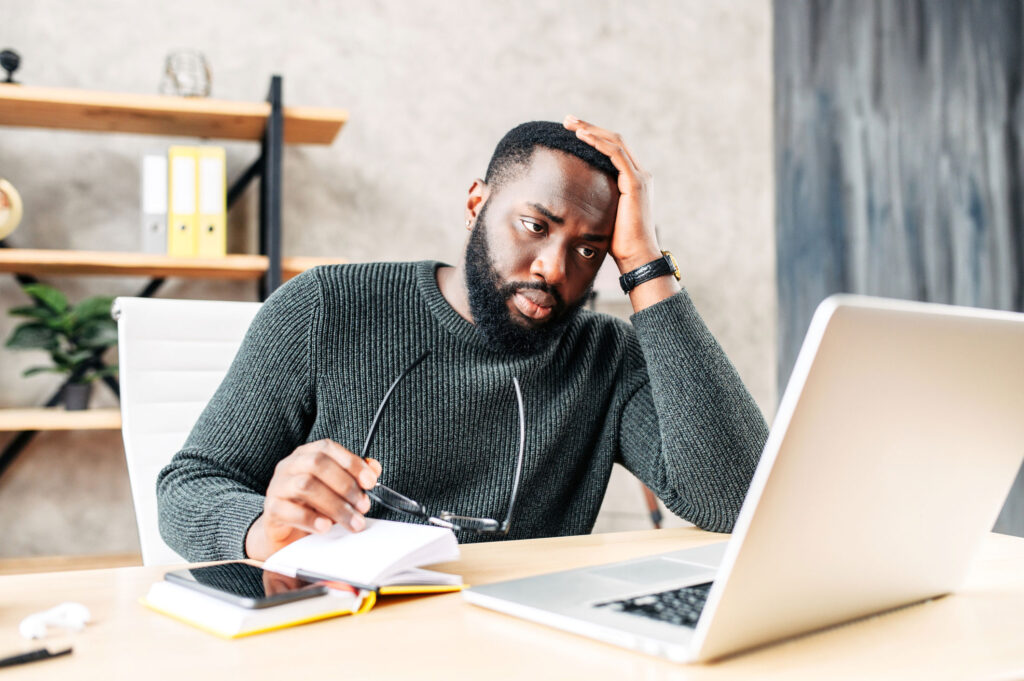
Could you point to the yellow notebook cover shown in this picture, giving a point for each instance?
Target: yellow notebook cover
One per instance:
(412, 589)
(181, 201)
(211, 221)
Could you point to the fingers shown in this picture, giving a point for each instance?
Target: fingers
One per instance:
(311, 491)
(607, 142)
(356, 467)
(343, 472)
(290, 514)
(325, 482)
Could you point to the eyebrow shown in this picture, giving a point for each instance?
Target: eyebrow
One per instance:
(547, 213)
(599, 238)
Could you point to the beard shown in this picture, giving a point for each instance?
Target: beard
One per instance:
(489, 296)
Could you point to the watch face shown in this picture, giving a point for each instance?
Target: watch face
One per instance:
(675, 265)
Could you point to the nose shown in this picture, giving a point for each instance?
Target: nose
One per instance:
(549, 265)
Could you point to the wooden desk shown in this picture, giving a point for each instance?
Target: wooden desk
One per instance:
(976, 634)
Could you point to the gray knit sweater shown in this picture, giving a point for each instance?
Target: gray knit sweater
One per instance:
(659, 397)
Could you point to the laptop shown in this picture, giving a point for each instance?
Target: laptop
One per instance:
(896, 442)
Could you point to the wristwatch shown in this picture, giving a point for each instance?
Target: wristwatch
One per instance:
(666, 264)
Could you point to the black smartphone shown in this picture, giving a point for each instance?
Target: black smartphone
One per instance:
(246, 585)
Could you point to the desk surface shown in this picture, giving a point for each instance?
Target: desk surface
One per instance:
(975, 634)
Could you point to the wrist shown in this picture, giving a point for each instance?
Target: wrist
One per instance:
(638, 259)
(255, 541)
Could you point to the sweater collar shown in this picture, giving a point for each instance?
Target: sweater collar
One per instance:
(426, 281)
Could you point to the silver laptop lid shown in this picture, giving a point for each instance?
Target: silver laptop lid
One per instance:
(899, 435)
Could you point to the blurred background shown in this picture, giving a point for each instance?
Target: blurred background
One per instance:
(799, 148)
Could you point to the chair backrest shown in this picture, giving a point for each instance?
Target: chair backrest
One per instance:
(173, 354)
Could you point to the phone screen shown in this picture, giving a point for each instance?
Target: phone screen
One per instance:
(246, 585)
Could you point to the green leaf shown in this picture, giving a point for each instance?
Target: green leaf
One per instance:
(33, 335)
(42, 370)
(94, 308)
(33, 311)
(61, 359)
(77, 357)
(47, 296)
(58, 323)
(97, 334)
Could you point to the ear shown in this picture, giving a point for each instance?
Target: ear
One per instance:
(479, 191)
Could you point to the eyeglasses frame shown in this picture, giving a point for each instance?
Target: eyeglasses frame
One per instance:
(399, 503)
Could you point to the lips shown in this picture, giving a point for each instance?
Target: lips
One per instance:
(529, 308)
(538, 298)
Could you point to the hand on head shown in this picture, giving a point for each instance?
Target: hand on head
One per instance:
(634, 241)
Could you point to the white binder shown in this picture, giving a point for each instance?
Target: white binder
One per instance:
(153, 235)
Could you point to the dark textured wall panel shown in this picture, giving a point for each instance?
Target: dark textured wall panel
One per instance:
(898, 158)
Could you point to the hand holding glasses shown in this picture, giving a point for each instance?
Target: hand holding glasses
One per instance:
(400, 503)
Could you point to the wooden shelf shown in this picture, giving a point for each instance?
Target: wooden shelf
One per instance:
(44, 262)
(58, 418)
(42, 107)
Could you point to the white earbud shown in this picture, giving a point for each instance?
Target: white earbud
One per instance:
(71, 616)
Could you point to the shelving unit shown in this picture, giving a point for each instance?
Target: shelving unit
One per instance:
(269, 123)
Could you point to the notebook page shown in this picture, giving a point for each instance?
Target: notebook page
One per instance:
(366, 557)
(421, 576)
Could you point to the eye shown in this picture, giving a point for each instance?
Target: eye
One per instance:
(532, 227)
(587, 252)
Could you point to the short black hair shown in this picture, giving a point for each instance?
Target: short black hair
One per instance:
(515, 149)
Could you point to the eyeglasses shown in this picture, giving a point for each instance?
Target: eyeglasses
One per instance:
(389, 498)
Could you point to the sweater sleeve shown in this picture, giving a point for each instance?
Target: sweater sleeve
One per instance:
(691, 432)
(213, 489)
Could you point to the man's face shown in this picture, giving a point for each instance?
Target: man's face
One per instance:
(536, 248)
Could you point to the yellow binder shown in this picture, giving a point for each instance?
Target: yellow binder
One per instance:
(211, 225)
(181, 194)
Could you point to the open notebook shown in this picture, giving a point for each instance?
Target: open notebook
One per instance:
(385, 557)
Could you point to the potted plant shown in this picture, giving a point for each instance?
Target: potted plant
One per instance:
(75, 336)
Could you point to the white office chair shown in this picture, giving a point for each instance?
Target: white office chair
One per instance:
(173, 354)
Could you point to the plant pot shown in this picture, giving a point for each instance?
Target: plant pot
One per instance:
(76, 396)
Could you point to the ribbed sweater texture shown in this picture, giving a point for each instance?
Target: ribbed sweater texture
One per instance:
(658, 396)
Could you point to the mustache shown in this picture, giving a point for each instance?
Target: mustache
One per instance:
(508, 290)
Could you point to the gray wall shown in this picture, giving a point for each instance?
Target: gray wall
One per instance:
(431, 87)
(898, 156)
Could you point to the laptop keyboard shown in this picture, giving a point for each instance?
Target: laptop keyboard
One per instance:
(677, 606)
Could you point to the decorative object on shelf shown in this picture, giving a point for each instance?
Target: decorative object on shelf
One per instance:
(75, 336)
(186, 74)
(10, 208)
(10, 60)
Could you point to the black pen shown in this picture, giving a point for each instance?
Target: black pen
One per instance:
(32, 656)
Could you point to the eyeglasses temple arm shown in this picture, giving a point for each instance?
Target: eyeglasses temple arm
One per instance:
(519, 461)
(384, 402)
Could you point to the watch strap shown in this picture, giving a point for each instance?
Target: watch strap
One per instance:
(652, 270)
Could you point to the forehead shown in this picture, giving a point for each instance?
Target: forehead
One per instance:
(566, 185)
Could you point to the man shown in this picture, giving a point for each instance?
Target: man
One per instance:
(276, 454)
